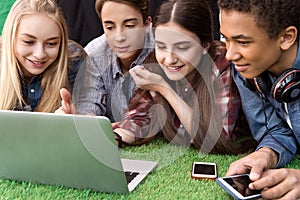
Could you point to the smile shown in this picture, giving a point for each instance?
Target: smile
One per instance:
(37, 63)
(175, 68)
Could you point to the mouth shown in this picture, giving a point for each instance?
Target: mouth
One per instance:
(241, 68)
(37, 63)
(122, 49)
(174, 68)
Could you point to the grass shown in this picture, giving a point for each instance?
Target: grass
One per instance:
(171, 180)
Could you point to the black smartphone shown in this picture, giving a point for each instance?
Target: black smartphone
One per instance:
(204, 170)
(238, 187)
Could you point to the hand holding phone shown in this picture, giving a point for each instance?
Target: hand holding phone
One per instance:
(238, 187)
(204, 170)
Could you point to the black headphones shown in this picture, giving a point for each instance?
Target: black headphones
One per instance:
(286, 88)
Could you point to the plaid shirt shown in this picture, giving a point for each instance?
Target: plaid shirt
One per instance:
(137, 119)
(103, 89)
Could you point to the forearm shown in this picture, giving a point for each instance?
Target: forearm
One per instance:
(183, 111)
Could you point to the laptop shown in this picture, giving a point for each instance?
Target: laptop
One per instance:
(75, 151)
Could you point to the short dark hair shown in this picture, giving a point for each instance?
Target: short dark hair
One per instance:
(271, 15)
(141, 5)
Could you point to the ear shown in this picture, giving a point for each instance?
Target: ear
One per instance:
(205, 47)
(148, 24)
(288, 37)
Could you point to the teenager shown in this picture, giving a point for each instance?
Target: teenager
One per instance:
(126, 42)
(35, 60)
(262, 40)
(190, 94)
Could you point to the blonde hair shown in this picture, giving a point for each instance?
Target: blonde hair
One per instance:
(54, 77)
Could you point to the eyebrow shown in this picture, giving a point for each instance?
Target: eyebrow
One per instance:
(178, 43)
(31, 36)
(125, 21)
(237, 37)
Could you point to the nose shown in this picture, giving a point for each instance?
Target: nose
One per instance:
(120, 35)
(170, 58)
(232, 53)
(39, 52)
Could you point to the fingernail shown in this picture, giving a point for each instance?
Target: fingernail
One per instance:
(251, 186)
(254, 176)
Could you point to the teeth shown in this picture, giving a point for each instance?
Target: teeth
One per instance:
(37, 62)
(173, 68)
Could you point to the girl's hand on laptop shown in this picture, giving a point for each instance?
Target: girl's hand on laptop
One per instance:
(67, 107)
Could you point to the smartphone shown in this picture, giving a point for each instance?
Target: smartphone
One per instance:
(238, 187)
(204, 170)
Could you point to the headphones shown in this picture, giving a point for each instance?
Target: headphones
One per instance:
(285, 89)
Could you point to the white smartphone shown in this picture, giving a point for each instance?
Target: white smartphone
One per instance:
(238, 187)
(204, 170)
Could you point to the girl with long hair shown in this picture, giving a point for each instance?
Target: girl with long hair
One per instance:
(190, 95)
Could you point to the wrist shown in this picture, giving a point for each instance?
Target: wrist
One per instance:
(271, 156)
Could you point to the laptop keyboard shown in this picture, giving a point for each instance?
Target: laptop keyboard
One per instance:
(130, 176)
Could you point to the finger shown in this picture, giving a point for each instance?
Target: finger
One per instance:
(268, 179)
(277, 192)
(256, 171)
(279, 183)
(65, 95)
(237, 167)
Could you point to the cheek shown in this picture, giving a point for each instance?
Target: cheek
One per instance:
(53, 53)
(192, 58)
(136, 38)
(159, 57)
(21, 51)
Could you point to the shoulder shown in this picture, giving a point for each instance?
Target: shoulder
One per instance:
(76, 54)
(97, 46)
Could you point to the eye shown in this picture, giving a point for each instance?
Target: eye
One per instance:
(109, 27)
(223, 37)
(129, 26)
(28, 42)
(160, 47)
(243, 42)
(52, 44)
(183, 48)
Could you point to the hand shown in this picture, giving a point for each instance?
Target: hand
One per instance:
(145, 79)
(255, 163)
(67, 105)
(279, 184)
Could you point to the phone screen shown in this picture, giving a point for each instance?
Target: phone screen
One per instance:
(240, 184)
(200, 168)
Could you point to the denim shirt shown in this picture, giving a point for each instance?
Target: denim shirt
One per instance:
(34, 90)
(267, 119)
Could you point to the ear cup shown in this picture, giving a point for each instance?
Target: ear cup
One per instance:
(262, 83)
(286, 87)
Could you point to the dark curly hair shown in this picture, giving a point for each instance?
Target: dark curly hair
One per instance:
(271, 15)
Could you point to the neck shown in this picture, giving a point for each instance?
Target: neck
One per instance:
(126, 62)
(286, 60)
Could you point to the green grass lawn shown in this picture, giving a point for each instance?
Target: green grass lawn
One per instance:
(171, 180)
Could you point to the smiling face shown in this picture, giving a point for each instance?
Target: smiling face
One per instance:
(37, 43)
(124, 29)
(178, 51)
(249, 47)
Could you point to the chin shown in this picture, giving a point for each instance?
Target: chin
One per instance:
(248, 76)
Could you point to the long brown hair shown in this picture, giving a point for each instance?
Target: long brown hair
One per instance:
(195, 16)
